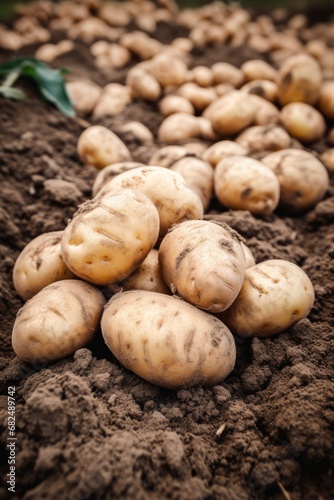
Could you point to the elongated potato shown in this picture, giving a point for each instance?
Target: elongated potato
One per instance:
(58, 320)
(204, 263)
(167, 341)
(174, 198)
(39, 264)
(275, 295)
(109, 237)
(244, 183)
(110, 172)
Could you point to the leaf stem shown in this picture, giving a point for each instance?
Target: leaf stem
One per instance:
(11, 79)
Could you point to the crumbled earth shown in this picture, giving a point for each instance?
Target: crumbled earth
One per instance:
(87, 428)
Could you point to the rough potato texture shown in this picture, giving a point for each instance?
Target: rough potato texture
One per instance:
(109, 237)
(57, 321)
(39, 264)
(203, 262)
(111, 171)
(275, 295)
(167, 341)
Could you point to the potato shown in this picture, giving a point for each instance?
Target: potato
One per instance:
(264, 88)
(198, 96)
(146, 277)
(179, 127)
(114, 100)
(202, 75)
(275, 295)
(143, 84)
(109, 237)
(171, 104)
(119, 56)
(168, 70)
(327, 159)
(303, 178)
(107, 173)
(266, 112)
(99, 146)
(196, 148)
(222, 149)
(84, 95)
(244, 183)
(299, 79)
(204, 263)
(58, 320)
(326, 99)
(137, 132)
(256, 69)
(39, 264)
(224, 72)
(174, 198)
(199, 176)
(303, 121)
(167, 341)
(141, 44)
(249, 257)
(167, 155)
(264, 138)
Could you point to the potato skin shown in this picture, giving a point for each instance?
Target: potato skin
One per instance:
(39, 264)
(167, 341)
(57, 321)
(275, 295)
(109, 237)
(204, 263)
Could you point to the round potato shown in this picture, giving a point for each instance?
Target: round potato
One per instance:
(179, 127)
(303, 121)
(167, 341)
(231, 113)
(166, 156)
(299, 79)
(99, 146)
(326, 99)
(174, 198)
(110, 172)
(222, 149)
(58, 320)
(275, 295)
(204, 263)
(244, 183)
(264, 139)
(109, 237)
(303, 178)
(39, 264)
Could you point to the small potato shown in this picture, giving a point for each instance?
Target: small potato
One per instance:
(113, 100)
(199, 176)
(166, 156)
(171, 104)
(174, 198)
(275, 295)
(326, 99)
(179, 127)
(244, 183)
(264, 139)
(221, 150)
(136, 131)
(168, 70)
(146, 277)
(264, 88)
(303, 178)
(84, 95)
(299, 79)
(107, 173)
(256, 69)
(303, 121)
(266, 112)
(202, 75)
(167, 341)
(231, 113)
(39, 264)
(99, 146)
(58, 320)
(198, 96)
(204, 263)
(224, 72)
(143, 84)
(109, 237)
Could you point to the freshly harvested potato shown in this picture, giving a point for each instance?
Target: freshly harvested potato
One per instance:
(167, 155)
(222, 149)
(249, 257)
(198, 96)
(109, 237)
(326, 99)
(303, 121)
(224, 72)
(39, 264)
(264, 139)
(243, 183)
(257, 69)
(167, 341)
(113, 100)
(179, 127)
(174, 198)
(199, 176)
(107, 173)
(146, 277)
(303, 178)
(263, 88)
(168, 70)
(84, 95)
(136, 131)
(58, 320)
(196, 148)
(171, 104)
(327, 159)
(204, 263)
(99, 146)
(202, 75)
(143, 84)
(266, 112)
(274, 296)
(299, 79)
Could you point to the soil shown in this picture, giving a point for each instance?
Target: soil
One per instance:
(87, 428)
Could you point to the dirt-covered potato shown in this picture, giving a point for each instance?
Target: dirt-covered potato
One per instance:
(175, 200)
(109, 172)
(58, 320)
(299, 79)
(221, 150)
(179, 127)
(99, 146)
(274, 296)
(199, 176)
(84, 95)
(166, 156)
(303, 121)
(204, 263)
(264, 139)
(109, 237)
(39, 264)
(243, 183)
(167, 341)
(303, 178)
(326, 99)
(146, 277)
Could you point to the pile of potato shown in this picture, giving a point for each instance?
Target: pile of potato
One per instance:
(181, 286)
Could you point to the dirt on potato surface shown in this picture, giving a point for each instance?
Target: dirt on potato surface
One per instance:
(87, 428)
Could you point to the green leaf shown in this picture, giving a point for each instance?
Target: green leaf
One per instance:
(12, 93)
(50, 81)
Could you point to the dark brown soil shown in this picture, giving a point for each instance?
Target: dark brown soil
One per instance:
(88, 429)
